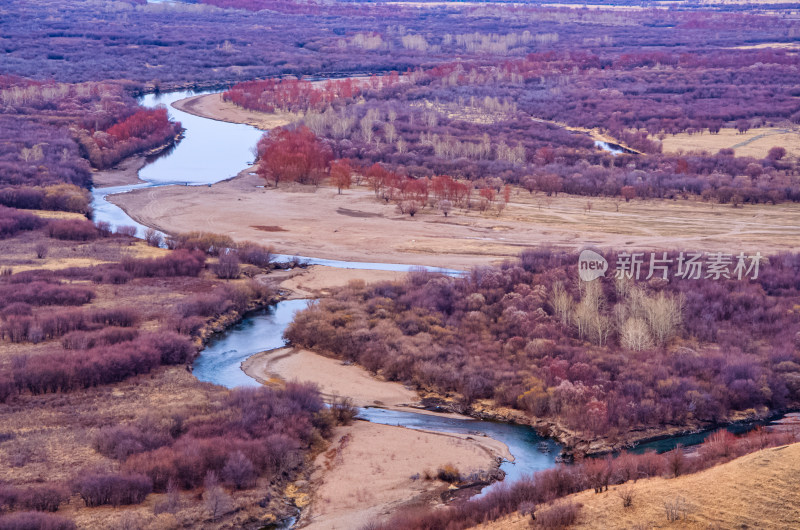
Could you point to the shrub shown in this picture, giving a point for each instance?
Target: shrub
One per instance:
(627, 493)
(16, 309)
(178, 263)
(66, 371)
(343, 410)
(12, 221)
(448, 473)
(103, 228)
(35, 521)
(174, 348)
(46, 498)
(7, 389)
(72, 229)
(239, 471)
(189, 325)
(117, 316)
(127, 231)
(227, 267)
(205, 305)
(153, 237)
(112, 275)
(205, 242)
(41, 250)
(115, 489)
(559, 515)
(121, 441)
(46, 293)
(675, 509)
(254, 254)
(8, 498)
(81, 340)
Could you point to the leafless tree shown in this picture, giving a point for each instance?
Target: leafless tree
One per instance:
(561, 303)
(153, 237)
(217, 501)
(635, 334)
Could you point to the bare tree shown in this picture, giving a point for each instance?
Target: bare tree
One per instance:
(562, 303)
(41, 250)
(664, 316)
(445, 206)
(390, 132)
(635, 334)
(227, 268)
(216, 500)
(153, 237)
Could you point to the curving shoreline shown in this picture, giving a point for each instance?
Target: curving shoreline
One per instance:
(212, 107)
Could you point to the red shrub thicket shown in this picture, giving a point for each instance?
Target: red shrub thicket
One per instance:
(12, 221)
(97, 489)
(72, 229)
(35, 521)
(40, 293)
(178, 263)
(256, 431)
(144, 129)
(63, 371)
(295, 95)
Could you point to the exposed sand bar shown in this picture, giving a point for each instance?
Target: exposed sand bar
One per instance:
(331, 376)
(354, 226)
(213, 107)
(371, 470)
(318, 280)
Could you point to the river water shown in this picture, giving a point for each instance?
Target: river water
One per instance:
(220, 363)
(212, 151)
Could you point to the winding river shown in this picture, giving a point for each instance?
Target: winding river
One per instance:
(212, 151)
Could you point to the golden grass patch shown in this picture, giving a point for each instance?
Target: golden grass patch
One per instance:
(755, 142)
(758, 490)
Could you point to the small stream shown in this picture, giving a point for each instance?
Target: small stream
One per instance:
(220, 363)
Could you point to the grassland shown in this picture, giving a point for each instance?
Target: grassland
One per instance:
(758, 490)
(755, 143)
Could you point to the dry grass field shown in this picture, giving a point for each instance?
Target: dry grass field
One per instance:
(758, 490)
(755, 142)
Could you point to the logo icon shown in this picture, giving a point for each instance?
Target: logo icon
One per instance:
(591, 265)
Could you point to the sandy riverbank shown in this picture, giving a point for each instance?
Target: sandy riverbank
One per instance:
(123, 174)
(370, 470)
(213, 107)
(354, 226)
(331, 376)
(318, 281)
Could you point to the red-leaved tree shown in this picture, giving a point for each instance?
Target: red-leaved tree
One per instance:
(293, 156)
